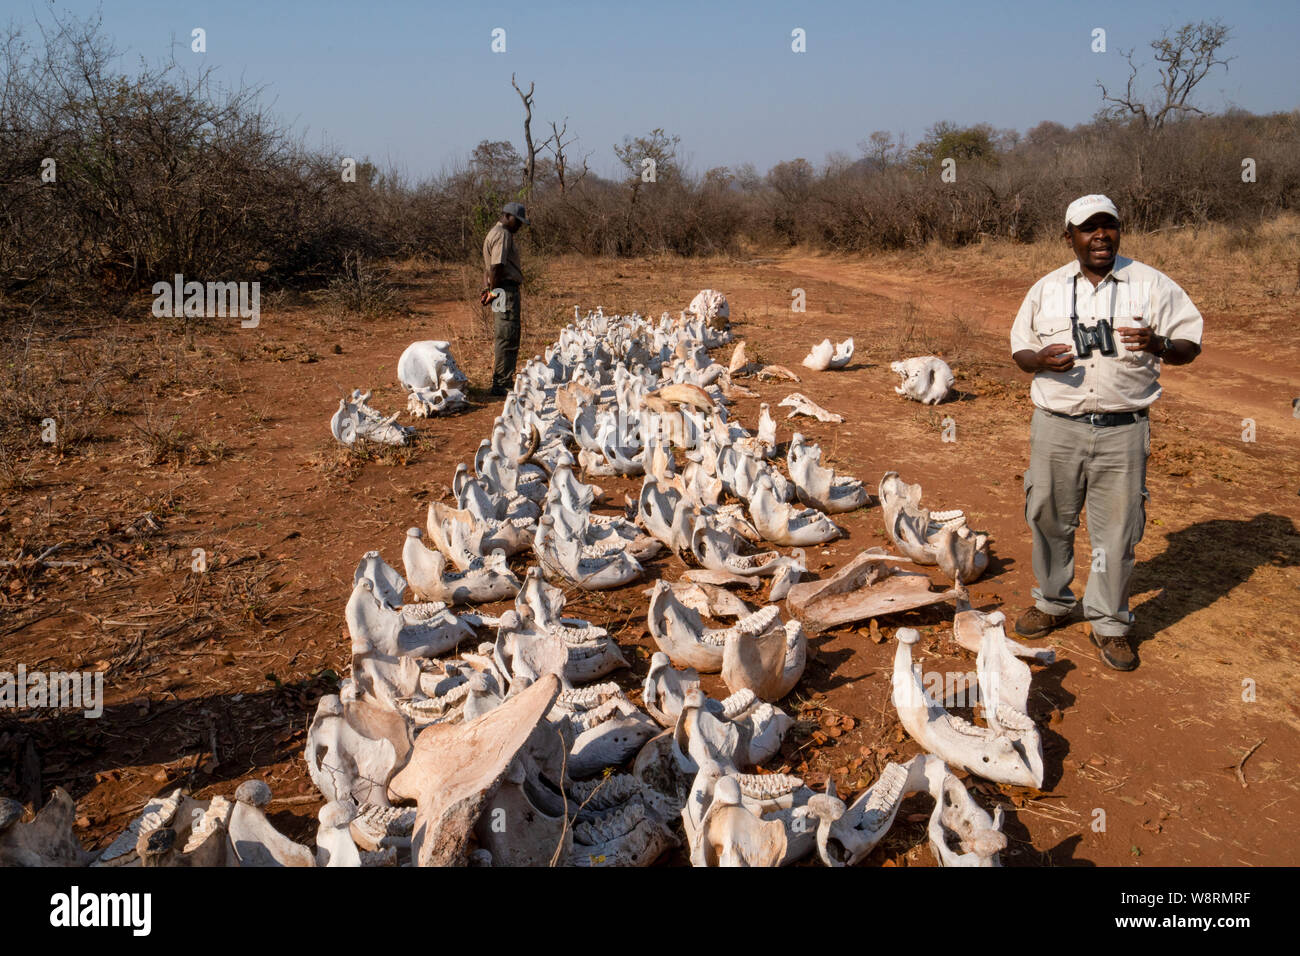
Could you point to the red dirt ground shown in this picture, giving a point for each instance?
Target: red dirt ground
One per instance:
(211, 678)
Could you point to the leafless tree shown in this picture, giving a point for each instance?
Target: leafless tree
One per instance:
(557, 145)
(530, 169)
(1186, 58)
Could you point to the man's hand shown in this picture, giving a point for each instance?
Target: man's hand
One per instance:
(1055, 358)
(1140, 339)
(487, 295)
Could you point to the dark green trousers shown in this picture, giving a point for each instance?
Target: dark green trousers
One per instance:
(505, 312)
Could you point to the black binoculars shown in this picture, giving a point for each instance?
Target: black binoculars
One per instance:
(1086, 338)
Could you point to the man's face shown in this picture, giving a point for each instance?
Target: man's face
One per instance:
(1096, 242)
(511, 222)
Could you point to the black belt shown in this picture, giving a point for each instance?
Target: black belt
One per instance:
(1104, 419)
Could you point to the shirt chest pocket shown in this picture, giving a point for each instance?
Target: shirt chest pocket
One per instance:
(1053, 329)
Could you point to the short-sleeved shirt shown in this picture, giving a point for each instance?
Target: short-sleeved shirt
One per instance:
(1132, 294)
(500, 248)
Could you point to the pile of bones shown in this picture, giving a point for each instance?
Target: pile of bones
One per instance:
(442, 748)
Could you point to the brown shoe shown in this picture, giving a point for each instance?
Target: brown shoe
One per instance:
(1115, 650)
(1036, 623)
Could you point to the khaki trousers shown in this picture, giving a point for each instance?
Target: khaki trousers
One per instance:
(505, 311)
(1073, 465)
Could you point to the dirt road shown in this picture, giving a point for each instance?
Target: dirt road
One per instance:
(211, 677)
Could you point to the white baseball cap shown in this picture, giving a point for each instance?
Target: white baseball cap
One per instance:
(1085, 207)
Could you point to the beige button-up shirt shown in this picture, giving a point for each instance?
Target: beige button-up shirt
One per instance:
(1132, 294)
(500, 248)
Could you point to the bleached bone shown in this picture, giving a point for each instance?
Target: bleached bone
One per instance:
(665, 688)
(825, 356)
(356, 419)
(431, 580)
(869, 586)
(414, 630)
(741, 470)
(680, 632)
(926, 379)
(665, 513)
(1001, 755)
(547, 604)
(376, 828)
(737, 828)
(740, 731)
(800, 404)
(343, 763)
(1004, 691)
(632, 835)
(158, 813)
(739, 360)
(526, 648)
(711, 308)
(931, 537)
(777, 372)
(387, 585)
(766, 427)
(731, 835)
(720, 578)
(968, 626)
(456, 768)
(253, 840)
(958, 818)
(617, 730)
(334, 843)
(515, 830)
(820, 487)
(431, 403)
(429, 364)
(769, 664)
(710, 600)
(719, 551)
(782, 524)
(526, 652)
(819, 359)
(461, 537)
(179, 844)
(560, 554)
(845, 835)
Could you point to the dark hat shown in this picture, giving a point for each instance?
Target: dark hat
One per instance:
(516, 209)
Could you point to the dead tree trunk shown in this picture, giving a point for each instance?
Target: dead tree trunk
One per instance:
(531, 168)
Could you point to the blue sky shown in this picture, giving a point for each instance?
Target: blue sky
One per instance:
(415, 84)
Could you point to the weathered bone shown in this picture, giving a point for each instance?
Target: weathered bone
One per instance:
(253, 840)
(769, 664)
(665, 688)
(1004, 755)
(780, 523)
(968, 626)
(680, 632)
(456, 769)
(490, 579)
(931, 538)
(868, 586)
(355, 419)
(344, 763)
(800, 404)
(825, 356)
(926, 379)
(818, 486)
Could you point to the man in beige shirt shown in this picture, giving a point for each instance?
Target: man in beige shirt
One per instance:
(1095, 334)
(502, 276)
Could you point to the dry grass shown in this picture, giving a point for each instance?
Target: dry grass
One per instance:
(1256, 266)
